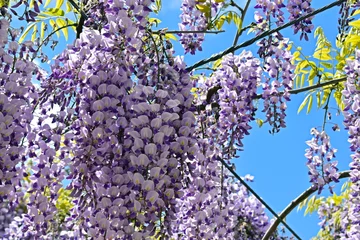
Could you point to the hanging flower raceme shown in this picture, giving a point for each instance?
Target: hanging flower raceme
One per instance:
(195, 17)
(351, 94)
(278, 66)
(268, 9)
(298, 9)
(17, 98)
(237, 79)
(322, 170)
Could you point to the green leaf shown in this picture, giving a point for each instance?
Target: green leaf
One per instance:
(4, 3)
(325, 96)
(309, 104)
(69, 7)
(296, 56)
(54, 26)
(302, 105)
(42, 30)
(355, 24)
(217, 63)
(356, 13)
(259, 122)
(318, 95)
(170, 36)
(237, 20)
(323, 54)
(327, 65)
(47, 3)
(302, 80)
(154, 20)
(54, 12)
(33, 35)
(22, 37)
(204, 8)
(59, 3)
(62, 23)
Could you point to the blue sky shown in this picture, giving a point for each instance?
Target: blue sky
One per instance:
(277, 161)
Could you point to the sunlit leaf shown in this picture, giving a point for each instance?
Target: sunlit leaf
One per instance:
(303, 104)
(54, 12)
(61, 23)
(309, 104)
(22, 37)
(54, 26)
(170, 36)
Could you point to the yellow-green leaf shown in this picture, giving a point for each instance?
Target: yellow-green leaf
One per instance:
(259, 122)
(170, 36)
(323, 54)
(21, 39)
(4, 3)
(61, 24)
(356, 13)
(33, 35)
(47, 3)
(54, 26)
(327, 65)
(217, 63)
(42, 30)
(69, 7)
(59, 3)
(302, 105)
(237, 20)
(309, 104)
(296, 55)
(325, 96)
(355, 24)
(318, 95)
(54, 12)
(203, 8)
(302, 80)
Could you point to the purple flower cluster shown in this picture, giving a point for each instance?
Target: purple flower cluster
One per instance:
(269, 9)
(238, 79)
(322, 169)
(17, 98)
(278, 66)
(299, 8)
(351, 94)
(192, 19)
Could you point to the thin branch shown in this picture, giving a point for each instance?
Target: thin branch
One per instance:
(83, 14)
(243, 13)
(326, 110)
(293, 204)
(52, 33)
(164, 31)
(308, 88)
(264, 34)
(233, 4)
(258, 197)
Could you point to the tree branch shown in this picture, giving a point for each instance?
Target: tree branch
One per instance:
(258, 197)
(308, 88)
(243, 13)
(293, 204)
(164, 31)
(264, 34)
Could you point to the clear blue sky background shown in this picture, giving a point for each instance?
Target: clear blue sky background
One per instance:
(277, 161)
